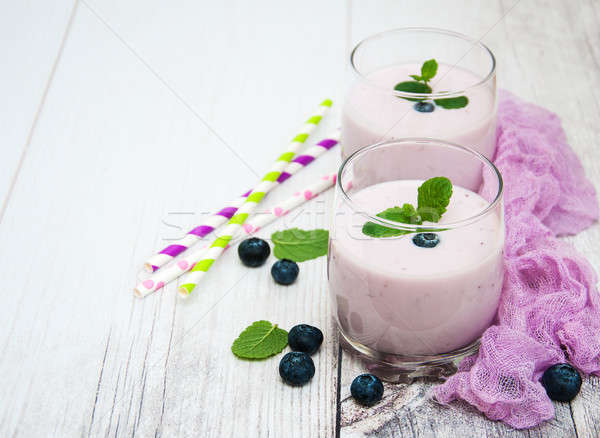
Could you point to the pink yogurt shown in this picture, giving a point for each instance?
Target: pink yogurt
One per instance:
(372, 113)
(395, 297)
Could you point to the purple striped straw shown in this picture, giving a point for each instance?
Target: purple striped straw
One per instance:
(223, 215)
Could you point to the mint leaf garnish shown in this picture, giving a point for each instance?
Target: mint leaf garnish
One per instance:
(405, 215)
(413, 87)
(375, 230)
(452, 102)
(419, 85)
(259, 341)
(300, 245)
(434, 197)
(429, 70)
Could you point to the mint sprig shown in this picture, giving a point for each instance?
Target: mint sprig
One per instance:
(405, 214)
(413, 87)
(433, 198)
(428, 71)
(420, 85)
(259, 341)
(300, 245)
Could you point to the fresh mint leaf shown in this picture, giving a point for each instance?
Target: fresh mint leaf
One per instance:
(300, 245)
(405, 214)
(413, 87)
(452, 102)
(259, 341)
(434, 197)
(375, 230)
(416, 77)
(428, 70)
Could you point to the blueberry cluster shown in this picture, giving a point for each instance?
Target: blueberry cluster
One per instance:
(254, 252)
(297, 368)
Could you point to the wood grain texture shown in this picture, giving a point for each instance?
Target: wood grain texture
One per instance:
(147, 98)
(31, 33)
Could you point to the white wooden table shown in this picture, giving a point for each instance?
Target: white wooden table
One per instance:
(114, 117)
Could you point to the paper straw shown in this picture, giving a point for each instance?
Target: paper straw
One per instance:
(169, 273)
(206, 227)
(219, 218)
(175, 270)
(255, 223)
(235, 223)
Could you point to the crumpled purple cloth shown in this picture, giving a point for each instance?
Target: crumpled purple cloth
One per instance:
(549, 309)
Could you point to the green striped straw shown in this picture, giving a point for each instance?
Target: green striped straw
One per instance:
(234, 226)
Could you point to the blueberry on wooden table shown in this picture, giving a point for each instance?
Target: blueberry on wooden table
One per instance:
(296, 368)
(285, 271)
(367, 389)
(305, 338)
(562, 382)
(254, 252)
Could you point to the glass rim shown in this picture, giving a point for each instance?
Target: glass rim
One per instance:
(440, 94)
(429, 227)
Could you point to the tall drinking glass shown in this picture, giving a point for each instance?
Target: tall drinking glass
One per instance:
(457, 104)
(415, 299)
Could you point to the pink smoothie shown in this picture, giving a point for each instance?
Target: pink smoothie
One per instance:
(395, 297)
(372, 113)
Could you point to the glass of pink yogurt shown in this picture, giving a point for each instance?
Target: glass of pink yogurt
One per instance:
(459, 107)
(416, 302)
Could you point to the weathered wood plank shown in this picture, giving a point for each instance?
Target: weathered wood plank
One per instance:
(119, 147)
(30, 39)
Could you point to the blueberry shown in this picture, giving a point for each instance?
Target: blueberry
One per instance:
(562, 382)
(367, 389)
(296, 368)
(305, 338)
(285, 271)
(424, 107)
(426, 240)
(254, 252)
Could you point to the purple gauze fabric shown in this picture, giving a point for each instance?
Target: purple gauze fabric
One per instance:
(549, 309)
